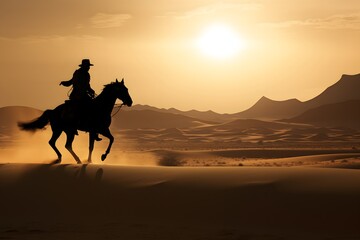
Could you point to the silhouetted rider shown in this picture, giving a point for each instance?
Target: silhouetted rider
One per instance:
(81, 83)
(81, 93)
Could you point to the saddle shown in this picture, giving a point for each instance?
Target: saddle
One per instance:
(78, 114)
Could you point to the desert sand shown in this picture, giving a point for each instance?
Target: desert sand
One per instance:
(67, 201)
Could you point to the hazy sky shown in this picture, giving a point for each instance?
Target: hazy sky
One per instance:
(289, 49)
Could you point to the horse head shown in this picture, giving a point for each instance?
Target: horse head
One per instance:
(122, 93)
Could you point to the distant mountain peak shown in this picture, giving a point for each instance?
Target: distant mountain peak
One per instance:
(348, 76)
(266, 99)
(266, 108)
(347, 88)
(348, 79)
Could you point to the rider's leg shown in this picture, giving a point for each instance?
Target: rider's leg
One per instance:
(97, 138)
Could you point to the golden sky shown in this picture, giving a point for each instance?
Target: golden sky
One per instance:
(289, 49)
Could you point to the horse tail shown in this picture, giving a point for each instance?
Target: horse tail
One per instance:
(38, 123)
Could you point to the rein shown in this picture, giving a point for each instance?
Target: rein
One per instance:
(119, 107)
(69, 92)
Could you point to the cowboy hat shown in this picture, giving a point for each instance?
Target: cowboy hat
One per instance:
(85, 62)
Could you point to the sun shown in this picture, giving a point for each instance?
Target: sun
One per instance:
(220, 41)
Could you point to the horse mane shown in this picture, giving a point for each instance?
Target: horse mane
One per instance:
(108, 86)
(107, 89)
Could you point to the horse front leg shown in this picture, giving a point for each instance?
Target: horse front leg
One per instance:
(91, 145)
(69, 140)
(107, 134)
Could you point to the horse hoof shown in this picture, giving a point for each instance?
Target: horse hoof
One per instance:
(103, 157)
(57, 161)
(78, 162)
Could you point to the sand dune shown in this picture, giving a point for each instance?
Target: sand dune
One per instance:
(153, 120)
(114, 202)
(259, 158)
(10, 116)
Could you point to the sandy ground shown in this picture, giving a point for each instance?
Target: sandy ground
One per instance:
(259, 158)
(40, 201)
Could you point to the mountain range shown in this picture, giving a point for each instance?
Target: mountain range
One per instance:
(347, 88)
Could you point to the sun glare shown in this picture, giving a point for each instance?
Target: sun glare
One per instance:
(220, 41)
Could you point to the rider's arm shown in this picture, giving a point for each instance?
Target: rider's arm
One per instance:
(67, 83)
(71, 81)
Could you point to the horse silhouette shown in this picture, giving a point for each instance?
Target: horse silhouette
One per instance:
(98, 120)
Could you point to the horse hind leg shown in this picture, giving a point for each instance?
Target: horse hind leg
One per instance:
(107, 134)
(69, 140)
(56, 134)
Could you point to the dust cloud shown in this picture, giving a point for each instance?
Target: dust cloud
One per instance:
(27, 147)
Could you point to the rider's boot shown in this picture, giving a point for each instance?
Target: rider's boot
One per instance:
(97, 138)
